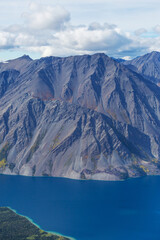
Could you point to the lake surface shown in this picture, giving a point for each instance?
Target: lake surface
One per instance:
(87, 210)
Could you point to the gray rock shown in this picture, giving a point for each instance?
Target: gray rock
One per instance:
(82, 117)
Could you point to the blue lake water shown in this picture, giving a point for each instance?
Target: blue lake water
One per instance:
(87, 210)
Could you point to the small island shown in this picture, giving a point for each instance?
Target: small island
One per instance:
(16, 227)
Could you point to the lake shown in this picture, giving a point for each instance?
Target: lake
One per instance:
(87, 210)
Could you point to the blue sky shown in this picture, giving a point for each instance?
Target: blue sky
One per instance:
(119, 28)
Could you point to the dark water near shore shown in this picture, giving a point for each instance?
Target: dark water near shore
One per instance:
(87, 210)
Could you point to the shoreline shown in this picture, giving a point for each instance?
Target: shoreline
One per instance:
(82, 180)
(31, 220)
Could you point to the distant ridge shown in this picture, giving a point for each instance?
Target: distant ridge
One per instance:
(147, 65)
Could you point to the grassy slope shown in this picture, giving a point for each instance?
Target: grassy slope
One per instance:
(15, 227)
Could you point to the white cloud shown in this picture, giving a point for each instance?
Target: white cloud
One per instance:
(46, 17)
(48, 30)
(72, 40)
(157, 29)
(97, 39)
(140, 31)
(97, 26)
(6, 40)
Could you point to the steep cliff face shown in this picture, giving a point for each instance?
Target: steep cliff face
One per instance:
(86, 117)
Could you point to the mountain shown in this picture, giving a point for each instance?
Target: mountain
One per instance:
(147, 65)
(83, 117)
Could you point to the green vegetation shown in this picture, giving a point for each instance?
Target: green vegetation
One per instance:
(3, 155)
(146, 170)
(3, 163)
(15, 227)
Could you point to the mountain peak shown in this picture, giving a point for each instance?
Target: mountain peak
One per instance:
(155, 53)
(26, 57)
(151, 55)
(147, 65)
(100, 54)
(23, 57)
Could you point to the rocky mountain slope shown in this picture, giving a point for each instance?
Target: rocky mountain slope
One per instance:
(147, 65)
(83, 117)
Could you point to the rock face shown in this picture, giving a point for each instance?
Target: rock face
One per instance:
(147, 65)
(82, 117)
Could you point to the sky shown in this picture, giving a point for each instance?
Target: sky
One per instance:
(119, 28)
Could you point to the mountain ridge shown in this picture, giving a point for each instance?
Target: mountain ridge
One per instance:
(147, 65)
(84, 117)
